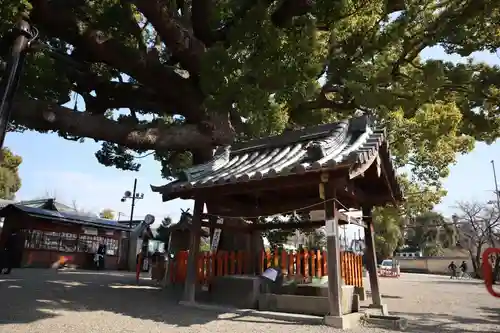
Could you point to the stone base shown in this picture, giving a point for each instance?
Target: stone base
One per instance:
(345, 322)
(390, 322)
(241, 291)
(294, 317)
(308, 305)
(361, 292)
(379, 309)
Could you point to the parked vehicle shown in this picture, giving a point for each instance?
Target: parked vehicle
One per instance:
(389, 267)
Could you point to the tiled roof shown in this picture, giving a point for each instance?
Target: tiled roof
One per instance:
(65, 217)
(313, 149)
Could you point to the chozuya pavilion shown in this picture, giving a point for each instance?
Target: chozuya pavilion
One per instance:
(326, 167)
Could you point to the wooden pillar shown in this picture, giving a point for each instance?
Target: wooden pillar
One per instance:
(194, 249)
(253, 251)
(333, 248)
(371, 256)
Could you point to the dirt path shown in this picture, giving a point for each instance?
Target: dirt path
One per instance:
(82, 302)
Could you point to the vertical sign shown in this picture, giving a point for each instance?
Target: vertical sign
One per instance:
(330, 229)
(216, 237)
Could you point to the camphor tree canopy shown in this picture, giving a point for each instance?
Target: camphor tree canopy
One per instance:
(10, 182)
(195, 74)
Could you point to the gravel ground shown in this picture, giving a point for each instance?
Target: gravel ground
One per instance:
(84, 302)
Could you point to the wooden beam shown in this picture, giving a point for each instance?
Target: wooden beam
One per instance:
(255, 186)
(247, 228)
(333, 251)
(371, 258)
(194, 248)
(237, 209)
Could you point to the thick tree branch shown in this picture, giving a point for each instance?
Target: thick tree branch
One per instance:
(115, 95)
(179, 40)
(42, 116)
(201, 13)
(94, 46)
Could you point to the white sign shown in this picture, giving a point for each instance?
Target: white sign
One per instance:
(330, 228)
(138, 246)
(317, 215)
(90, 231)
(270, 274)
(110, 233)
(216, 237)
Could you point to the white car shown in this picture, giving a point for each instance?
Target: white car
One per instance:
(389, 268)
(386, 264)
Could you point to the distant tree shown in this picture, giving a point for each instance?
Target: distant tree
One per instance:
(478, 224)
(388, 225)
(162, 232)
(315, 239)
(430, 233)
(107, 214)
(204, 246)
(390, 222)
(10, 182)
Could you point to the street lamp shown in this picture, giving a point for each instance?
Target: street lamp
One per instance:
(497, 192)
(133, 196)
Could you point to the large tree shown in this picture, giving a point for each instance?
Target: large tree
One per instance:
(194, 74)
(10, 182)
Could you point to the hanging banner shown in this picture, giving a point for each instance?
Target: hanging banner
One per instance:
(90, 231)
(216, 237)
(330, 228)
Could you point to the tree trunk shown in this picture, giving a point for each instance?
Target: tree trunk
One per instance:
(42, 116)
(496, 270)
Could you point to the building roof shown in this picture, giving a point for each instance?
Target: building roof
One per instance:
(52, 204)
(64, 217)
(350, 142)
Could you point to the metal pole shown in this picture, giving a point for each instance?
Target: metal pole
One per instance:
(130, 226)
(9, 84)
(496, 185)
(133, 204)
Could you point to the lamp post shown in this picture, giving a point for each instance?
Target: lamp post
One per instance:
(497, 192)
(133, 196)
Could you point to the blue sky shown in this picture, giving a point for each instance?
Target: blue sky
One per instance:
(69, 171)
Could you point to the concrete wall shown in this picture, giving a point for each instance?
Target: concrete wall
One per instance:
(435, 265)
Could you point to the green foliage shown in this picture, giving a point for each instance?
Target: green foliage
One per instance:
(162, 232)
(430, 233)
(367, 56)
(388, 226)
(107, 214)
(204, 247)
(10, 182)
(315, 239)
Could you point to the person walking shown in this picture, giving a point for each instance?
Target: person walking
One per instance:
(453, 268)
(463, 269)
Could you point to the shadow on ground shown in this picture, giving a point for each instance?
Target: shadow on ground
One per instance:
(444, 323)
(369, 295)
(31, 294)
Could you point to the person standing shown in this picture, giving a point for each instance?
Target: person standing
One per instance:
(7, 258)
(453, 268)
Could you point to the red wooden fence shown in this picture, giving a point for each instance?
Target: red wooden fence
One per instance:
(311, 264)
